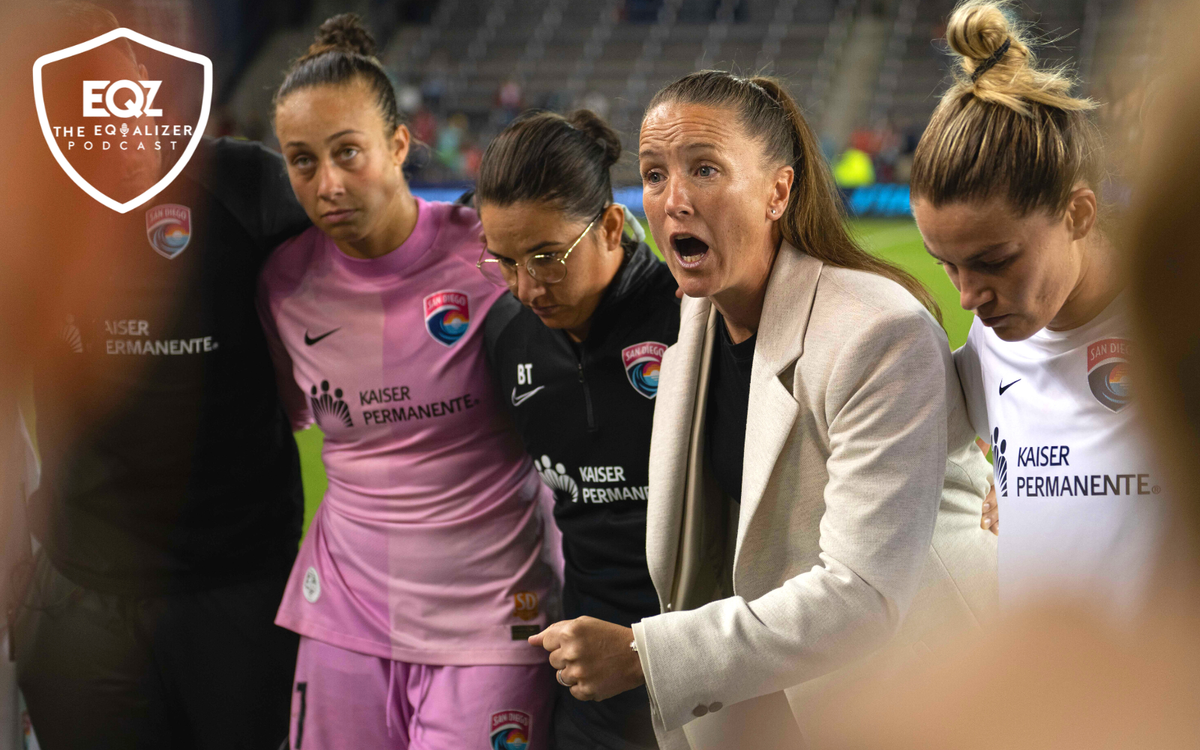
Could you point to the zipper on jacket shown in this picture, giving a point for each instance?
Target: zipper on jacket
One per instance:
(587, 398)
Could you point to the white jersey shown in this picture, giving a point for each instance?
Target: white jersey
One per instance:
(1081, 503)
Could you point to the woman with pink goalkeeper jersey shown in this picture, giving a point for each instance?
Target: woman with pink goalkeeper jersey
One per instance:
(423, 572)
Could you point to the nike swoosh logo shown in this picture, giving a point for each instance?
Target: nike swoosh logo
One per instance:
(518, 400)
(310, 341)
(1004, 388)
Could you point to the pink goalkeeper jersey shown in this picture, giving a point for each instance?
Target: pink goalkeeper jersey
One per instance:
(428, 545)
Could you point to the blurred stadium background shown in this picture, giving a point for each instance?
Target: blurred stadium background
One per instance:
(868, 73)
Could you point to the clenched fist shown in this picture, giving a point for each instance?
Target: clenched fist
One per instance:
(593, 657)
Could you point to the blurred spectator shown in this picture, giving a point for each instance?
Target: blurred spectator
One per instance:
(433, 88)
(710, 11)
(642, 11)
(884, 146)
(424, 126)
(557, 101)
(596, 102)
(413, 11)
(449, 142)
(865, 140)
(853, 169)
(408, 98)
(907, 147)
(888, 154)
(510, 99)
(472, 157)
(902, 171)
(829, 148)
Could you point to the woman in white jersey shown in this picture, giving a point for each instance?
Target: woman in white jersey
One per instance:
(1004, 187)
(422, 574)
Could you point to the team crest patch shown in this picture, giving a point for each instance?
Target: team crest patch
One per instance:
(642, 363)
(510, 730)
(169, 229)
(447, 316)
(1108, 372)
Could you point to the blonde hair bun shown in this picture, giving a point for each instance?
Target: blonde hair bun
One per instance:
(1005, 127)
(977, 32)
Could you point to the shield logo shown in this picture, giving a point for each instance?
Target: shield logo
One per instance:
(510, 730)
(169, 229)
(642, 364)
(447, 316)
(107, 126)
(1108, 372)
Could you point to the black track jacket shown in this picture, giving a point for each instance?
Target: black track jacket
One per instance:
(584, 412)
(167, 462)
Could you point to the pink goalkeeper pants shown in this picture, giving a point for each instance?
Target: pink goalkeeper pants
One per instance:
(343, 699)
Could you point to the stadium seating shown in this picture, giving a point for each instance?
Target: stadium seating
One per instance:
(612, 55)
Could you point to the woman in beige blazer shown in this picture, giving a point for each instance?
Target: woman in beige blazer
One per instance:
(850, 518)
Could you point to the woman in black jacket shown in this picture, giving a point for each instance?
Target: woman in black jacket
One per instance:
(576, 350)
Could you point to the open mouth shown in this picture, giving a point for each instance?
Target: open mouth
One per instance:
(689, 249)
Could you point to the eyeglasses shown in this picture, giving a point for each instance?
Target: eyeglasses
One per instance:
(548, 268)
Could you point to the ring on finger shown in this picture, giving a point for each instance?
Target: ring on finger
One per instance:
(561, 681)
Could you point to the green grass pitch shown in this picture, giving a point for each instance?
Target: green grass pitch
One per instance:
(897, 240)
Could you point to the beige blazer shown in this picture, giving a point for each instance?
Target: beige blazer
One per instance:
(860, 503)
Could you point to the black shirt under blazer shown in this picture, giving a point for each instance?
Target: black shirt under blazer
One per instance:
(859, 518)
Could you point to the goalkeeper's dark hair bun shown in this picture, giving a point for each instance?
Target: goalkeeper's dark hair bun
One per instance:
(343, 33)
(343, 51)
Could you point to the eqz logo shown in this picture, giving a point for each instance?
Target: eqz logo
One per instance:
(99, 100)
(105, 119)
